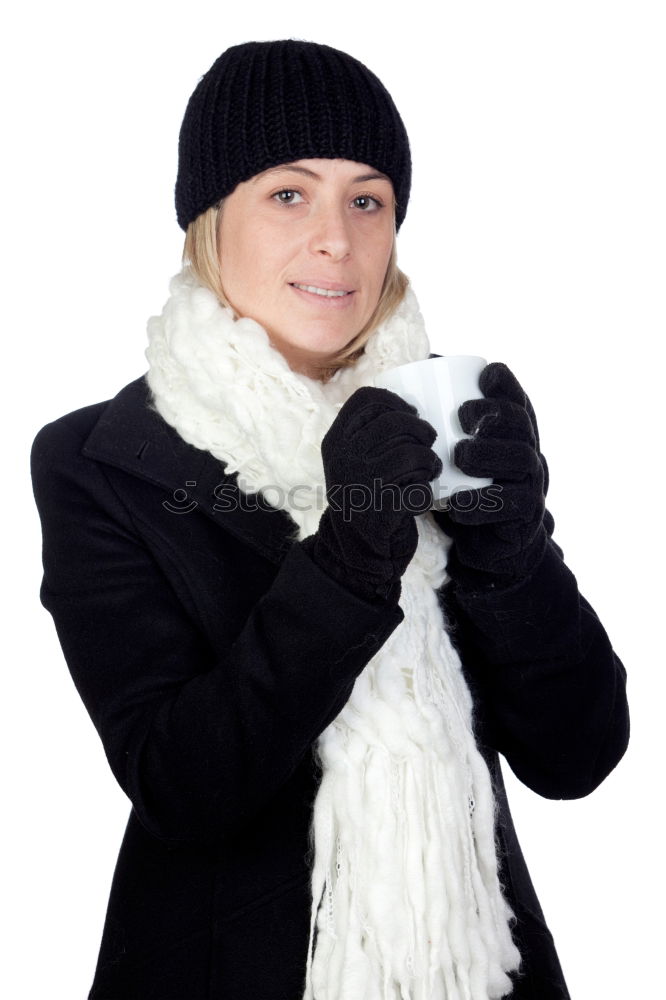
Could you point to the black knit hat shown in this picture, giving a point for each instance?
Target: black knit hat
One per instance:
(266, 103)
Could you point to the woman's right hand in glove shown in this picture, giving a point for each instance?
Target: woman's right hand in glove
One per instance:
(378, 464)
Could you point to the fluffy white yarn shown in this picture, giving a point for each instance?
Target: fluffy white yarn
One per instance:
(406, 898)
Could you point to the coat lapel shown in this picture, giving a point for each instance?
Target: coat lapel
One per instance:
(131, 435)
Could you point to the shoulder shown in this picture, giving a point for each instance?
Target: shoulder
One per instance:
(107, 455)
(71, 431)
(60, 468)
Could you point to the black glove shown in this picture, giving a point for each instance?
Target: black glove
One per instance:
(499, 535)
(378, 464)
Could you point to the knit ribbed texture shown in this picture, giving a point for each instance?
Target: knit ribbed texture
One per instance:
(266, 103)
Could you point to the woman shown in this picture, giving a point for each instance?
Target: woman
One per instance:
(303, 692)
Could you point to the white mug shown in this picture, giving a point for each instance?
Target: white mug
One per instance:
(437, 387)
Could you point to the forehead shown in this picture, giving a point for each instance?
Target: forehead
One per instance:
(327, 169)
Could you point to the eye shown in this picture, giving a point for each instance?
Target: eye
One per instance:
(287, 196)
(367, 203)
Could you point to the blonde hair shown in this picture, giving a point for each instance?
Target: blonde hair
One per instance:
(201, 252)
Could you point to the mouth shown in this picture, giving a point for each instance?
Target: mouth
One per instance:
(326, 293)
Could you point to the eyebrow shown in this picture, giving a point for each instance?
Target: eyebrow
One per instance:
(361, 179)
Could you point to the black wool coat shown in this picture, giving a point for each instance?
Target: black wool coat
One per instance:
(211, 651)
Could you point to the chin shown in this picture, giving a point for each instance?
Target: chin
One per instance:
(323, 343)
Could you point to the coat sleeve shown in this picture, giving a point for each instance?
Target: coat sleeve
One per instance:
(549, 688)
(199, 738)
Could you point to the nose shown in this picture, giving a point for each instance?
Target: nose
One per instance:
(330, 234)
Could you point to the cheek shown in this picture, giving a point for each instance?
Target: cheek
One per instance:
(379, 262)
(256, 259)
(233, 255)
(238, 267)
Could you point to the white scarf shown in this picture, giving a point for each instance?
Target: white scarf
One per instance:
(403, 821)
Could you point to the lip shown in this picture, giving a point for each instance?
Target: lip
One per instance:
(325, 302)
(330, 286)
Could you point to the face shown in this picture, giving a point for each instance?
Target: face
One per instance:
(304, 251)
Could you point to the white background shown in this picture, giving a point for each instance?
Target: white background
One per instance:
(535, 235)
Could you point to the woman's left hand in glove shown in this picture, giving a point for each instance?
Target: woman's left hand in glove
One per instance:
(500, 533)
